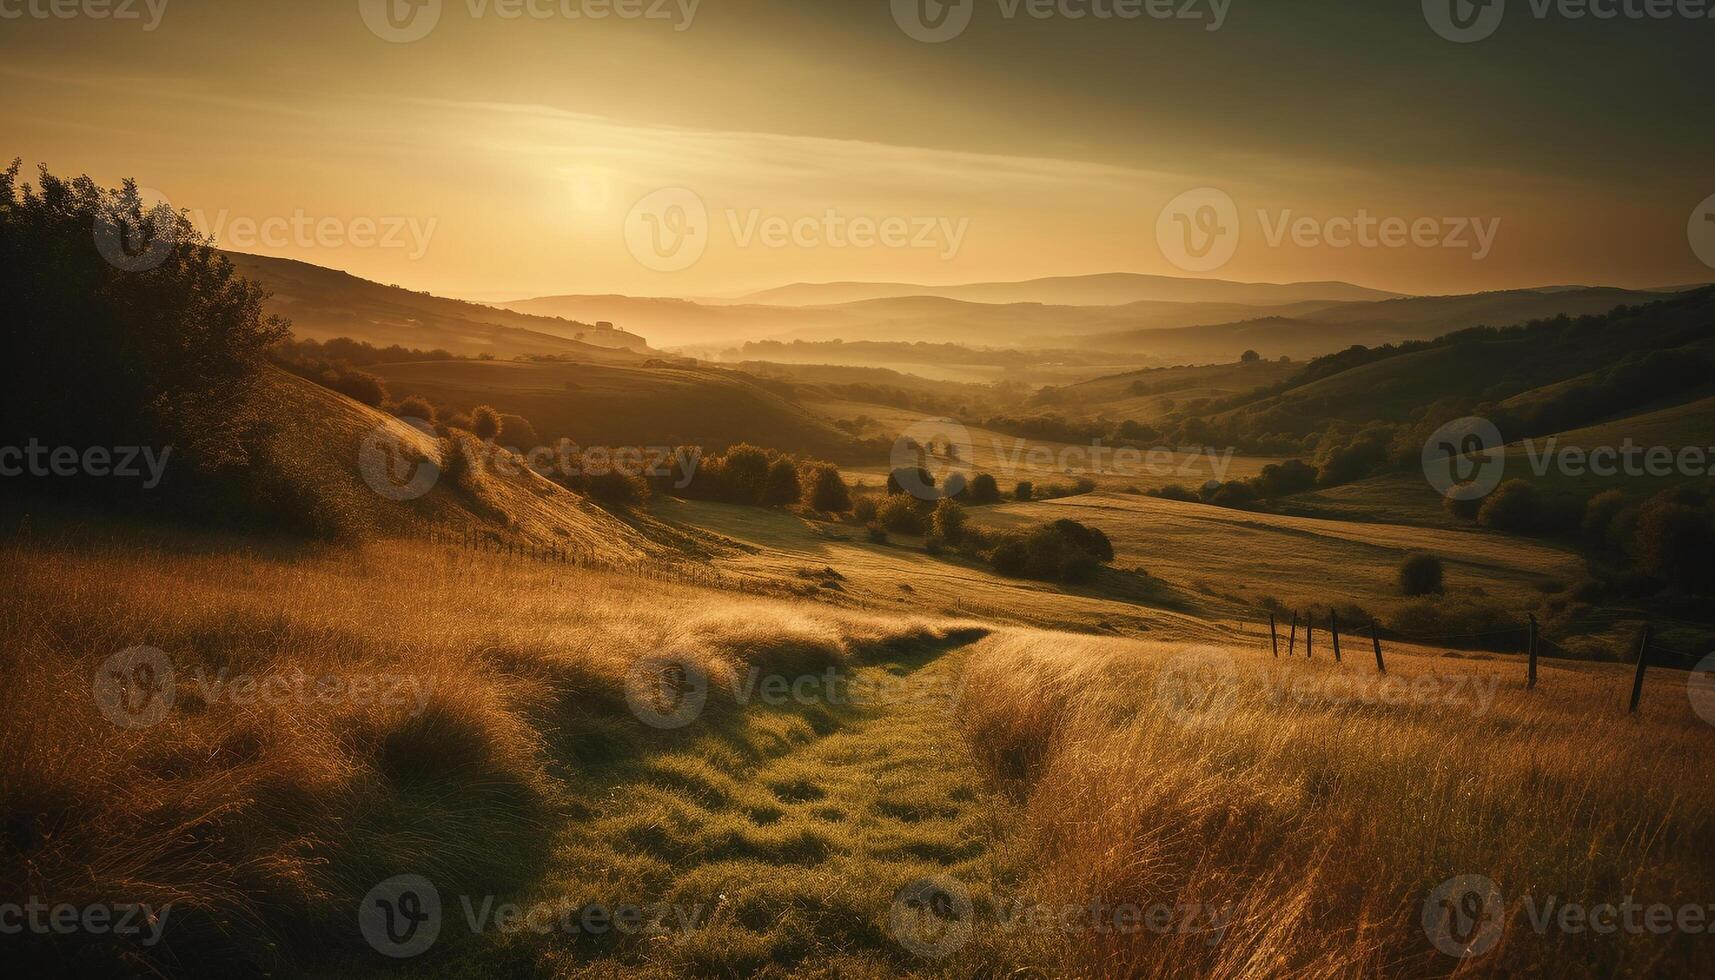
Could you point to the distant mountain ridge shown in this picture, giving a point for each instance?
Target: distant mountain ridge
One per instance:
(1101, 289)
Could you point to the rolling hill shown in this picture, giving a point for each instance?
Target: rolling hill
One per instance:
(614, 405)
(326, 303)
(1335, 327)
(1106, 289)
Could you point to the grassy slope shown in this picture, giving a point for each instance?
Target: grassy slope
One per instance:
(623, 405)
(319, 442)
(1302, 562)
(325, 303)
(1010, 458)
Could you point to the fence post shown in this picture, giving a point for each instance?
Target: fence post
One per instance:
(1292, 641)
(1309, 634)
(1273, 637)
(1530, 683)
(1643, 662)
(1382, 667)
(1334, 627)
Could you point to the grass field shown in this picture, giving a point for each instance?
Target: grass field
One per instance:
(777, 833)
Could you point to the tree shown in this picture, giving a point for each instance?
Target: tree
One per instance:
(484, 423)
(781, 486)
(1249, 357)
(1676, 544)
(1515, 506)
(901, 515)
(162, 339)
(1420, 574)
(825, 490)
(983, 490)
(744, 473)
(948, 520)
(1024, 491)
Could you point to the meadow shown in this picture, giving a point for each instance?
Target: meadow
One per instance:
(1258, 816)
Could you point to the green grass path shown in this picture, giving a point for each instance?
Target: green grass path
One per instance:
(775, 845)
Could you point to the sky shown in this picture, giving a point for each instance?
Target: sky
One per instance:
(499, 149)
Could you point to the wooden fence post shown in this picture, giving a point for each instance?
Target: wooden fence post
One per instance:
(1334, 627)
(1292, 641)
(1273, 637)
(1643, 662)
(1309, 634)
(1530, 683)
(1382, 667)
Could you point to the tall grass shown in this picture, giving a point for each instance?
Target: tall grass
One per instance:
(1324, 822)
(262, 822)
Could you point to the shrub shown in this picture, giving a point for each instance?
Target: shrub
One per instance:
(901, 515)
(1599, 514)
(484, 423)
(1420, 574)
(781, 486)
(743, 474)
(949, 520)
(1462, 508)
(1023, 491)
(415, 407)
(863, 510)
(517, 431)
(1235, 494)
(1515, 506)
(934, 544)
(825, 490)
(983, 490)
(1063, 551)
(615, 488)
(1676, 544)
(1285, 479)
(877, 533)
(1174, 491)
(359, 386)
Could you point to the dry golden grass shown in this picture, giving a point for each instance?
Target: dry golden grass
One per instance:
(263, 823)
(1324, 821)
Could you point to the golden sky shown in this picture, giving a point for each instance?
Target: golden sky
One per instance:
(507, 153)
